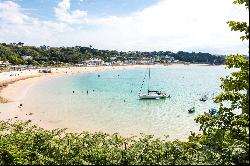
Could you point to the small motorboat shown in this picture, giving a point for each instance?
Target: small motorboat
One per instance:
(204, 98)
(191, 110)
(213, 111)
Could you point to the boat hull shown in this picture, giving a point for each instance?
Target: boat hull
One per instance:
(146, 96)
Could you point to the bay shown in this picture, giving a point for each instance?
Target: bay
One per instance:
(112, 103)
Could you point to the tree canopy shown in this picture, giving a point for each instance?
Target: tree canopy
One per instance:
(45, 55)
(227, 134)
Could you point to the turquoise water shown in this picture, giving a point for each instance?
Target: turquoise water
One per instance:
(110, 106)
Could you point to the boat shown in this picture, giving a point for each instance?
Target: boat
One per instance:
(153, 94)
(213, 111)
(191, 110)
(204, 98)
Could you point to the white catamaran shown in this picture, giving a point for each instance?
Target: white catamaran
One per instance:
(152, 94)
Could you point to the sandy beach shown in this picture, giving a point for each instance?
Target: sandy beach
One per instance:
(15, 85)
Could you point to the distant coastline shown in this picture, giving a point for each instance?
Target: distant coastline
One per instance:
(20, 54)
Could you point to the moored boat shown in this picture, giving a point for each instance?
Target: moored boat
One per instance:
(153, 95)
(204, 98)
(191, 110)
(213, 111)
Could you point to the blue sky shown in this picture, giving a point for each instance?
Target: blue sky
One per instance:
(44, 8)
(125, 25)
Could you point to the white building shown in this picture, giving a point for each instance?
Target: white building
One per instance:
(94, 62)
(4, 64)
(80, 65)
(27, 57)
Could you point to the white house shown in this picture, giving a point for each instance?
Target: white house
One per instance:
(25, 57)
(94, 62)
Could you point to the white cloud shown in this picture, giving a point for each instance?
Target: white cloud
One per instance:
(17, 26)
(194, 25)
(177, 25)
(63, 13)
(10, 12)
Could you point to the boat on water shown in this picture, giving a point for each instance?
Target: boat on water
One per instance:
(213, 111)
(191, 110)
(153, 94)
(204, 98)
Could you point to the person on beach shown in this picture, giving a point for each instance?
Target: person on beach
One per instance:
(20, 105)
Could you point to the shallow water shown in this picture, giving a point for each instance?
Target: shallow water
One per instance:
(110, 106)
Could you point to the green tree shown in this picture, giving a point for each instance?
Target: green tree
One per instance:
(7, 54)
(226, 135)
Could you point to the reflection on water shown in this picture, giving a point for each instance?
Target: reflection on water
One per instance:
(109, 101)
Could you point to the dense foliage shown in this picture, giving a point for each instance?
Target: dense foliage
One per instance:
(227, 134)
(22, 143)
(45, 55)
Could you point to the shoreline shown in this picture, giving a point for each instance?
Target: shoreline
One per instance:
(16, 89)
(12, 77)
(14, 85)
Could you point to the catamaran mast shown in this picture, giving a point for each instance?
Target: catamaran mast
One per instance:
(148, 78)
(149, 73)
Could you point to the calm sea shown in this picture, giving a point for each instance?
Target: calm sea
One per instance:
(112, 103)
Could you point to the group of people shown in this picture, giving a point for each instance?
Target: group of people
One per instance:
(86, 91)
